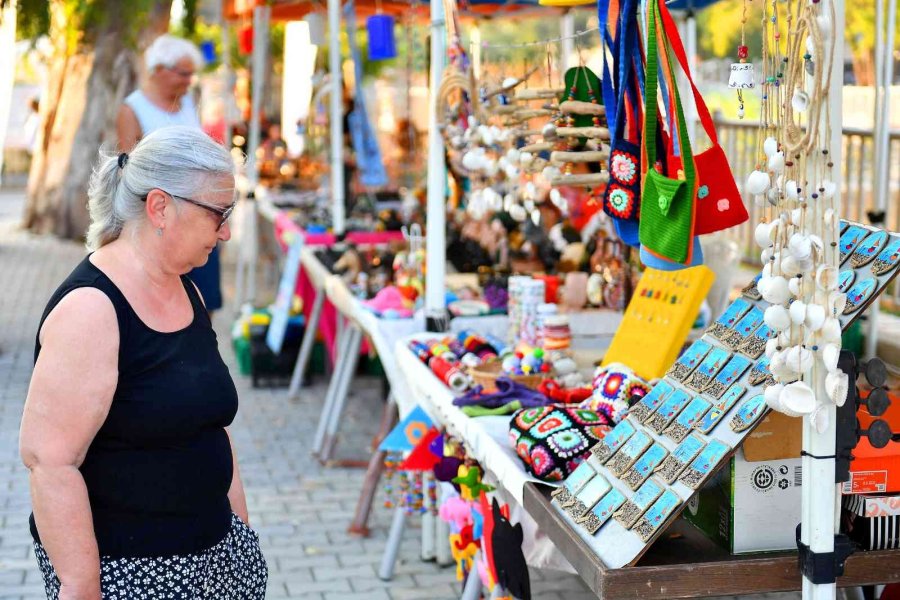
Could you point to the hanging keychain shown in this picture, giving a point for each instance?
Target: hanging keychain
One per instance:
(741, 77)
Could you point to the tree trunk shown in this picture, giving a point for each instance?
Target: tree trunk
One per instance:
(87, 82)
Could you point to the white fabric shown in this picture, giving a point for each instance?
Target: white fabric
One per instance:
(151, 117)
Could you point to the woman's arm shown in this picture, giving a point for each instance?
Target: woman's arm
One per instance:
(71, 391)
(128, 129)
(236, 493)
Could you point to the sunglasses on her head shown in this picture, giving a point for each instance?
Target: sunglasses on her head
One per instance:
(224, 213)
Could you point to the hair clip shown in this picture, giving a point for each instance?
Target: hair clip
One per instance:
(123, 160)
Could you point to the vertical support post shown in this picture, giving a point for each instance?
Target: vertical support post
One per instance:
(306, 346)
(442, 535)
(567, 45)
(337, 116)
(428, 526)
(820, 508)
(392, 547)
(435, 245)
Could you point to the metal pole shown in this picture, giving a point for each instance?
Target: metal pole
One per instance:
(435, 246)
(820, 508)
(567, 45)
(337, 115)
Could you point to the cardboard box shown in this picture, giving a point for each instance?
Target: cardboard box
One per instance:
(873, 522)
(750, 506)
(874, 470)
(777, 437)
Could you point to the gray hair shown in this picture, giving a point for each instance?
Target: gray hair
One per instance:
(180, 160)
(166, 50)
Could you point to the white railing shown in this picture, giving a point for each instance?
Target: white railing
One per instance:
(738, 139)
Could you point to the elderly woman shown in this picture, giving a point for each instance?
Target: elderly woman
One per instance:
(134, 484)
(162, 101)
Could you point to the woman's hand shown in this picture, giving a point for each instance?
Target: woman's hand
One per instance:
(80, 591)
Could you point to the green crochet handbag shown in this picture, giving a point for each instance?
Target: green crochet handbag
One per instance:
(667, 205)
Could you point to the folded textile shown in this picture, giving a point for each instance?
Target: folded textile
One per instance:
(481, 411)
(507, 391)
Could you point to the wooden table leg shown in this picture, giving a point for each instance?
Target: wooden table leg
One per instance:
(359, 525)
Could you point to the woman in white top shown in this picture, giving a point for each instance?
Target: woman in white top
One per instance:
(163, 101)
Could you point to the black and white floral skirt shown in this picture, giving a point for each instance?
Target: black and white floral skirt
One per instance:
(233, 569)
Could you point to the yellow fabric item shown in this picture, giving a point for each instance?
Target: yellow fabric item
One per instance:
(658, 319)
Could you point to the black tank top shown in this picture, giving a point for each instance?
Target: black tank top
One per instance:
(159, 469)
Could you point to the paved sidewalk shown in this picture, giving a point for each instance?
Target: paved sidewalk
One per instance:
(300, 510)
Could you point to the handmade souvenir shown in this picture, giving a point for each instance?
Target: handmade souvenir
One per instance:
(612, 441)
(633, 508)
(651, 401)
(573, 484)
(744, 328)
(594, 519)
(615, 385)
(720, 408)
(850, 239)
(645, 465)
(755, 344)
(748, 413)
(751, 291)
(629, 453)
(866, 251)
(845, 280)
(509, 561)
(689, 360)
(678, 460)
(859, 294)
(888, 259)
(674, 404)
(729, 374)
(551, 441)
(707, 369)
(588, 496)
(685, 421)
(729, 318)
(760, 372)
(657, 514)
(701, 467)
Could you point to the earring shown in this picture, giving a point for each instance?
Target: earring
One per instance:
(159, 231)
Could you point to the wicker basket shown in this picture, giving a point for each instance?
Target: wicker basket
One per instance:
(486, 375)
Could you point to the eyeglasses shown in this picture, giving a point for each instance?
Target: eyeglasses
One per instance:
(224, 213)
(181, 72)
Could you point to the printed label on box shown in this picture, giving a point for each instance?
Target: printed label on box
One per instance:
(866, 482)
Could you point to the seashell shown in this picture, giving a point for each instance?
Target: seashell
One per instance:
(837, 302)
(795, 285)
(796, 216)
(777, 317)
(837, 386)
(490, 167)
(762, 234)
(800, 246)
(773, 396)
(772, 196)
(770, 146)
(830, 188)
(776, 291)
(772, 346)
(831, 331)
(549, 173)
(827, 277)
(800, 359)
(512, 172)
(792, 191)
(758, 182)
(767, 254)
(799, 398)
(471, 161)
(525, 158)
(555, 196)
(815, 316)
(797, 311)
(819, 418)
(513, 155)
(767, 268)
(777, 360)
(800, 101)
(791, 267)
(830, 355)
(776, 162)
